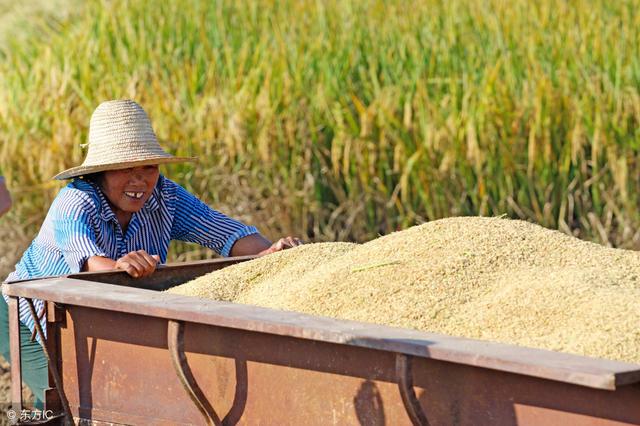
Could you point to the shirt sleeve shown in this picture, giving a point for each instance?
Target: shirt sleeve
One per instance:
(74, 234)
(196, 222)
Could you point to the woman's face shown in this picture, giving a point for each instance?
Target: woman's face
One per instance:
(127, 190)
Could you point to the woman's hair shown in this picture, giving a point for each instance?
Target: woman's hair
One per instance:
(96, 178)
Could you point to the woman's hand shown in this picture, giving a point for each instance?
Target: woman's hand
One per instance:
(5, 198)
(138, 264)
(282, 244)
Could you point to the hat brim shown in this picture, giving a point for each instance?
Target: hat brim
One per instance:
(88, 169)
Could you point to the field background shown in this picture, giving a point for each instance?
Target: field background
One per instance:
(339, 120)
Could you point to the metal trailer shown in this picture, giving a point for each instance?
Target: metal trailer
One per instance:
(123, 352)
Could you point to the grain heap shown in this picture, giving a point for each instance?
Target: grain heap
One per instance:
(485, 278)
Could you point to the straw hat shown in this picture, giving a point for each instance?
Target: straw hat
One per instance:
(120, 136)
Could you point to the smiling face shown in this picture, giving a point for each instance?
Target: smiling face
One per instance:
(127, 190)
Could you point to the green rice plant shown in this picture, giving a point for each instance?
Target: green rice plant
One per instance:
(348, 119)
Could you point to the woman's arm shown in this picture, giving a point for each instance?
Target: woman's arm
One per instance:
(250, 245)
(138, 264)
(257, 244)
(5, 198)
(98, 263)
(198, 223)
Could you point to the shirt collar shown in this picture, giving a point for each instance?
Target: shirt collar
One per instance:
(104, 209)
(153, 202)
(106, 213)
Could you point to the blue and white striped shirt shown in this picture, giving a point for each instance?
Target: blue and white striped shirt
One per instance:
(80, 224)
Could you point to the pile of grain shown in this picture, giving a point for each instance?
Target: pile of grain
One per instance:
(270, 274)
(485, 278)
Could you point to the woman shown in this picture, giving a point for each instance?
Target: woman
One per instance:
(119, 212)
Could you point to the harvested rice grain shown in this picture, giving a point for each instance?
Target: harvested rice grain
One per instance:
(280, 269)
(486, 278)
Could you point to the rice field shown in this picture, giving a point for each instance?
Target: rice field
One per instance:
(344, 120)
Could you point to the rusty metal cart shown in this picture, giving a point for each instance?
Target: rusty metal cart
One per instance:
(124, 352)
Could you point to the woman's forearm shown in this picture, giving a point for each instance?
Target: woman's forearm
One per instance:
(98, 263)
(250, 245)
(5, 198)
(138, 263)
(257, 244)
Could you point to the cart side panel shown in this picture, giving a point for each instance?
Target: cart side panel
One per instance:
(116, 367)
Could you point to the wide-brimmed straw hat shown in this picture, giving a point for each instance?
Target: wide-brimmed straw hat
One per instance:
(120, 137)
